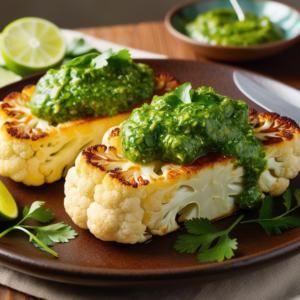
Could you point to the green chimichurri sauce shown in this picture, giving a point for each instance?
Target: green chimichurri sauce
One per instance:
(222, 27)
(90, 86)
(185, 124)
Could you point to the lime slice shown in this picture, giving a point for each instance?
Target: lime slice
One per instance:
(30, 45)
(7, 77)
(8, 206)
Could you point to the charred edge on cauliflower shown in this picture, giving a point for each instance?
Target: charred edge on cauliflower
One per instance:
(117, 174)
(204, 161)
(21, 124)
(115, 132)
(96, 156)
(99, 158)
(253, 117)
(271, 128)
(14, 132)
(96, 198)
(166, 82)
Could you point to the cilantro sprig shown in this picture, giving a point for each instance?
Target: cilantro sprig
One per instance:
(117, 60)
(205, 95)
(277, 224)
(93, 60)
(204, 233)
(43, 237)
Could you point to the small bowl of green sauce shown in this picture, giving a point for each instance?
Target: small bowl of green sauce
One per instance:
(212, 29)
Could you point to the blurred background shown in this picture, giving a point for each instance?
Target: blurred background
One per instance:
(89, 13)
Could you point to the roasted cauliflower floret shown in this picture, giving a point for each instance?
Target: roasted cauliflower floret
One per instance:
(34, 152)
(280, 137)
(126, 202)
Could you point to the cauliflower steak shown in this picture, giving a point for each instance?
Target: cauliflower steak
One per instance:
(119, 200)
(35, 152)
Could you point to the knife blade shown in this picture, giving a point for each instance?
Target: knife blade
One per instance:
(265, 94)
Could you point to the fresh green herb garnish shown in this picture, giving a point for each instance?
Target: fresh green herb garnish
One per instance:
(277, 224)
(185, 124)
(92, 85)
(120, 59)
(46, 235)
(221, 27)
(205, 234)
(183, 92)
(78, 47)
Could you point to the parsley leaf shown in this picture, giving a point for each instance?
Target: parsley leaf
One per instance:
(118, 60)
(223, 249)
(82, 61)
(206, 234)
(44, 236)
(297, 196)
(38, 212)
(79, 47)
(277, 224)
(205, 96)
(183, 92)
(101, 60)
(287, 196)
(59, 233)
(266, 208)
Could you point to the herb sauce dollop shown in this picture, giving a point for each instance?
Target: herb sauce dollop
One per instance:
(185, 124)
(222, 27)
(90, 86)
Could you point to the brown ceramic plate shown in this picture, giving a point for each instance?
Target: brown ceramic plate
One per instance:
(89, 261)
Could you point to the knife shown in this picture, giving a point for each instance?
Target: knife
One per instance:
(269, 94)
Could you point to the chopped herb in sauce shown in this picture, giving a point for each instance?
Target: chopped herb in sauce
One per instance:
(90, 86)
(222, 27)
(185, 124)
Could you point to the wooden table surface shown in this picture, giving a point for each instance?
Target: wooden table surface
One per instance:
(154, 37)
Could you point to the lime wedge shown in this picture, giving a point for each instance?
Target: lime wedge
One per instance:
(30, 45)
(7, 77)
(8, 206)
